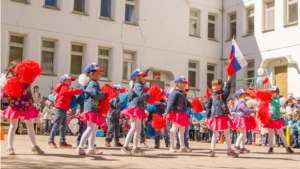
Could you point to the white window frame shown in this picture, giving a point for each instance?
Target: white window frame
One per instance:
(128, 61)
(288, 3)
(249, 16)
(265, 14)
(133, 3)
(21, 1)
(106, 58)
(250, 69)
(77, 54)
(16, 45)
(230, 22)
(194, 70)
(48, 50)
(197, 18)
(210, 71)
(215, 23)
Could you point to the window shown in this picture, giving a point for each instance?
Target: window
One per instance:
(50, 3)
(250, 19)
(129, 11)
(250, 73)
(76, 59)
(232, 26)
(128, 59)
(270, 15)
(193, 74)
(16, 45)
(22, 1)
(103, 58)
(194, 23)
(105, 8)
(210, 74)
(48, 51)
(79, 5)
(211, 26)
(292, 12)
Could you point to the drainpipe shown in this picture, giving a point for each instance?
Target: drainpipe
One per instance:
(222, 42)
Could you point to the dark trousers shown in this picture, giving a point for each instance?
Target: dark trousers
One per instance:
(113, 129)
(265, 139)
(197, 135)
(47, 125)
(210, 133)
(82, 128)
(203, 136)
(192, 134)
(233, 136)
(295, 141)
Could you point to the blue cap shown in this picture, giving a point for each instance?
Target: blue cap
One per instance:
(92, 67)
(66, 76)
(137, 72)
(239, 92)
(275, 89)
(181, 79)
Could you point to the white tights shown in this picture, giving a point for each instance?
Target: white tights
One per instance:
(89, 134)
(135, 131)
(240, 141)
(215, 136)
(281, 135)
(12, 130)
(173, 130)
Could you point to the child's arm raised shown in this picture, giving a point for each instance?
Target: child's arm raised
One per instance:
(227, 88)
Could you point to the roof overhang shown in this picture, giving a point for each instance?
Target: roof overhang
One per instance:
(265, 63)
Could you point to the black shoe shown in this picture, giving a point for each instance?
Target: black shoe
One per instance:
(289, 150)
(270, 150)
(156, 146)
(177, 146)
(118, 144)
(167, 145)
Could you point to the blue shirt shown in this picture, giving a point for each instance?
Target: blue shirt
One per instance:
(138, 96)
(177, 102)
(92, 97)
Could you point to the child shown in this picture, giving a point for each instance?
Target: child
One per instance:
(257, 131)
(113, 120)
(91, 115)
(135, 111)
(217, 114)
(197, 129)
(47, 116)
(37, 98)
(276, 121)
(62, 105)
(289, 121)
(176, 110)
(298, 126)
(203, 130)
(16, 110)
(295, 131)
(241, 122)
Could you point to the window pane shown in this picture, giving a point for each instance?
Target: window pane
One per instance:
(270, 5)
(233, 17)
(293, 12)
(105, 8)
(211, 30)
(76, 48)
(251, 25)
(270, 14)
(211, 17)
(15, 53)
(103, 63)
(79, 5)
(47, 61)
(48, 44)
(128, 56)
(16, 39)
(210, 78)
(103, 52)
(250, 65)
(193, 13)
(192, 65)
(129, 11)
(250, 74)
(192, 78)
(50, 2)
(211, 67)
(76, 63)
(251, 12)
(193, 27)
(233, 29)
(127, 68)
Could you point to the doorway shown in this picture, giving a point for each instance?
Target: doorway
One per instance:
(281, 80)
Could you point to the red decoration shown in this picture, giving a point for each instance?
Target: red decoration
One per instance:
(207, 93)
(155, 93)
(158, 122)
(265, 80)
(123, 90)
(111, 93)
(29, 70)
(197, 106)
(13, 87)
(251, 93)
(253, 122)
(146, 89)
(263, 111)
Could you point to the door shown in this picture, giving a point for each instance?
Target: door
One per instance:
(281, 80)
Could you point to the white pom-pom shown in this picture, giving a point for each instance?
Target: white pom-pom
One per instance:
(252, 103)
(2, 80)
(282, 101)
(83, 79)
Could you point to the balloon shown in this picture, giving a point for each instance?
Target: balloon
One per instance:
(51, 97)
(259, 80)
(74, 121)
(260, 71)
(265, 80)
(99, 133)
(282, 101)
(73, 131)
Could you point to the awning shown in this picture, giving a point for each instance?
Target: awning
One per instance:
(169, 73)
(265, 63)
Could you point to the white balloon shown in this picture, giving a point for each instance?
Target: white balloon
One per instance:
(70, 126)
(260, 71)
(74, 121)
(73, 131)
(282, 101)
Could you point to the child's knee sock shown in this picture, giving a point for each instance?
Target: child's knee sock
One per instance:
(93, 137)
(227, 137)
(137, 134)
(11, 132)
(133, 128)
(214, 139)
(87, 133)
(30, 131)
(282, 136)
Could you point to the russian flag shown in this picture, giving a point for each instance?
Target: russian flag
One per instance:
(236, 59)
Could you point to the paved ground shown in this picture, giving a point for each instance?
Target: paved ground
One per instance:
(162, 158)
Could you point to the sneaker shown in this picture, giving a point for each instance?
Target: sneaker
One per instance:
(45, 134)
(177, 146)
(118, 144)
(211, 154)
(107, 144)
(289, 150)
(167, 145)
(156, 146)
(81, 151)
(237, 149)
(130, 145)
(94, 151)
(137, 151)
(65, 145)
(52, 145)
(253, 144)
(189, 150)
(143, 144)
(126, 150)
(37, 150)
(10, 151)
(244, 150)
(258, 144)
(173, 150)
(184, 150)
(232, 154)
(270, 150)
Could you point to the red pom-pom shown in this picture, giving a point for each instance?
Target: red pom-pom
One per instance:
(146, 89)
(155, 93)
(197, 106)
(158, 122)
(123, 90)
(207, 93)
(253, 122)
(251, 93)
(29, 70)
(263, 111)
(13, 87)
(263, 95)
(111, 93)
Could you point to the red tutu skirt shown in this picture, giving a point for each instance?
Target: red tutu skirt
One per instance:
(274, 124)
(179, 117)
(222, 122)
(13, 113)
(242, 122)
(98, 119)
(134, 111)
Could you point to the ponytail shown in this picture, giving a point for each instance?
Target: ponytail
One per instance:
(12, 65)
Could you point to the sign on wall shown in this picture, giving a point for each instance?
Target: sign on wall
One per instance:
(156, 76)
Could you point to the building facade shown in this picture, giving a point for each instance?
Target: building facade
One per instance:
(166, 38)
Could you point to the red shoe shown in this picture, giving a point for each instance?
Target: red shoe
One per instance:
(52, 145)
(65, 144)
(258, 144)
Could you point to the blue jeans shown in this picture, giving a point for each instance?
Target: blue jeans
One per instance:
(61, 123)
(265, 139)
(113, 129)
(47, 125)
(249, 137)
(233, 136)
(165, 135)
(186, 137)
(142, 135)
(82, 128)
(197, 135)
(296, 140)
(209, 134)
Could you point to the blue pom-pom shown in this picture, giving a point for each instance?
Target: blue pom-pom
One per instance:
(99, 133)
(124, 100)
(73, 105)
(150, 131)
(189, 111)
(151, 107)
(198, 116)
